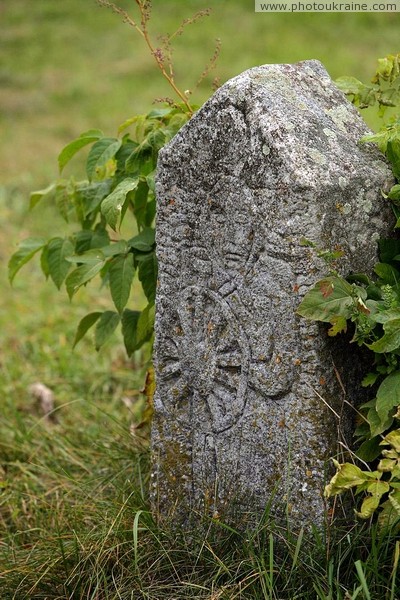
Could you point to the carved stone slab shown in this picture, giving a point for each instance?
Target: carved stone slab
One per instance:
(271, 159)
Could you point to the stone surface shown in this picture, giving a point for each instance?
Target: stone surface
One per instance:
(272, 158)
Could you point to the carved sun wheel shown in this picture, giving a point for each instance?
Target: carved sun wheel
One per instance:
(208, 354)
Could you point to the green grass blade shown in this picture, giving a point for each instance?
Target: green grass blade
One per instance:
(363, 581)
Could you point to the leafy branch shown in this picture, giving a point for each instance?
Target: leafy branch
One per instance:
(372, 305)
(119, 185)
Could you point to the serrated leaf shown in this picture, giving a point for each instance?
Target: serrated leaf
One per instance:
(112, 205)
(64, 198)
(58, 249)
(27, 249)
(84, 325)
(86, 239)
(159, 113)
(82, 275)
(72, 148)
(339, 325)
(331, 297)
(91, 195)
(349, 85)
(388, 395)
(121, 273)
(129, 329)
(100, 154)
(148, 273)
(105, 327)
(144, 241)
(35, 197)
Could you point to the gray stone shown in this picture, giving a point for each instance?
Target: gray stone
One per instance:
(244, 386)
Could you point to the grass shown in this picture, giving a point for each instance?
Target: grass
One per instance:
(76, 524)
(74, 512)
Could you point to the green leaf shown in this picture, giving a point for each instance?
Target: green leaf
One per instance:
(84, 325)
(390, 341)
(121, 275)
(145, 325)
(385, 315)
(378, 488)
(339, 325)
(394, 194)
(82, 275)
(100, 238)
(35, 197)
(150, 212)
(72, 148)
(346, 477)
(349, 85)
(393, 154)
(86, 239)
(376, 424)
(112, 205)
(331, 297)
(92, 195)
(144, 241)
(27, 249)
(44, 265)
(130, 320)
(368, 507)
(388, 395)
(150, 180)
(388, 248)
(105, 327)
(148, 273)
(65, 197)
(394, 498)
(58, 249)
(140, 203)
(100, 154)
(387, 273)
(89, 257)
(392, 439)
(369, 379)
(158, 113)
(370, 449)
(120, 247)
